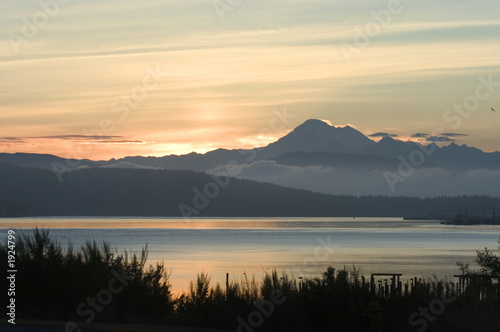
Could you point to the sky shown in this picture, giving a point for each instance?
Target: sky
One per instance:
(103, 79)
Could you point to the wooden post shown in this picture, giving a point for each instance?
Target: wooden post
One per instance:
(372, 285)
(393, 286)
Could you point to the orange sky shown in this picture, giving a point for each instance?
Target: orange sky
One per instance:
(98, 80)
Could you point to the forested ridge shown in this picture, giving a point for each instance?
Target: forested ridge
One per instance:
(127, 192)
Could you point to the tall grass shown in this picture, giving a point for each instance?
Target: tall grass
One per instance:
(52, 282)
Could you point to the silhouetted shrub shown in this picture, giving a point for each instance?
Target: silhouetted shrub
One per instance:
(52, 283)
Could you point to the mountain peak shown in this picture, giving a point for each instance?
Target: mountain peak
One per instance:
(319, 136)
(387, 139)
(323, 124)
(324, 131)
(455, 146)
(315, 123)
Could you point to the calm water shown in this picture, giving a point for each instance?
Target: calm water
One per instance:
(300, 246)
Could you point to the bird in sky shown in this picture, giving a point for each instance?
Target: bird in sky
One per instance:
(492, 109)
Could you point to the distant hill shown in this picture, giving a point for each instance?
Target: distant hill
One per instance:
(135, 192)
(45, 161)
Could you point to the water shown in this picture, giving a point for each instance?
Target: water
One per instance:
(303, 247)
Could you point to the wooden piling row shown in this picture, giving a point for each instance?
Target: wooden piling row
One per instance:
(389, 285)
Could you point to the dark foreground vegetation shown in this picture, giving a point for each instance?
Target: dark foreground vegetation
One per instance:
(97, 284)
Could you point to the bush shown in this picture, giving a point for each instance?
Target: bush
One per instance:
(52, 283)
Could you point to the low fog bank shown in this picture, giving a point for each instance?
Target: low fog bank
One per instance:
(421, 182)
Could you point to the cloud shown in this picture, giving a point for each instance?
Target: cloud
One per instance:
(262, 139)
(128, 165)
(444, 137)
(11, 140)
(484, 174)
(75, 138)
(382, 134)
(271, 168)
(419, 135)
(427, 173)
(328, 122)
(80, 137)
(424, 182)
(266, 170)
(453, 134)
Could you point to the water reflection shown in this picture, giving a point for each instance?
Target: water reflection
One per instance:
(300, 246)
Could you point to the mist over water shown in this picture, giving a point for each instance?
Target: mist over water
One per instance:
(303, 247)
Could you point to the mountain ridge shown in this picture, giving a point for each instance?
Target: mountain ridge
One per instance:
(319, 157)
(311, 136)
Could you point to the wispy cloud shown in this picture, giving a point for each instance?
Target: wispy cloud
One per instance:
(12, 139)
(266, 170)
(454, 134)
(76, 138)
(383, 134)
(80, 137)
(444, 137)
